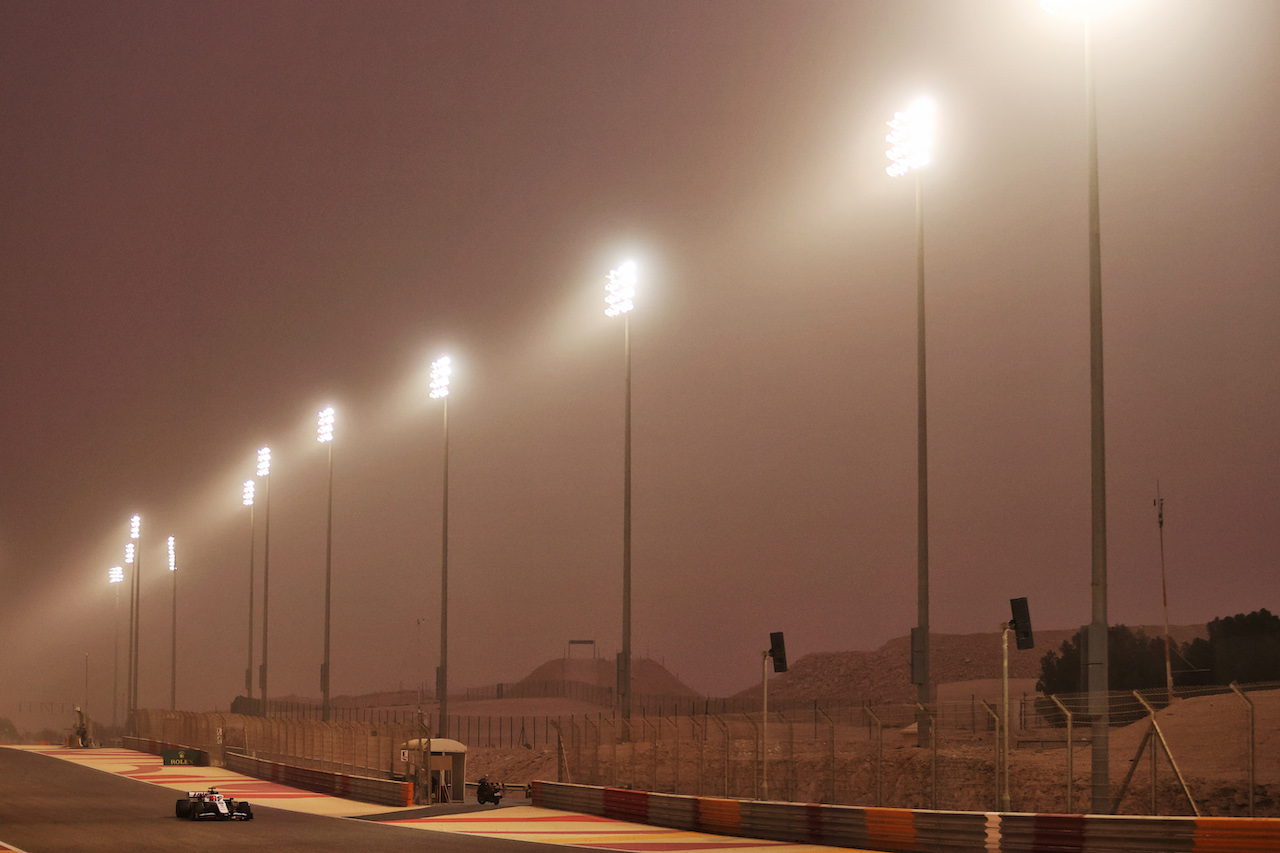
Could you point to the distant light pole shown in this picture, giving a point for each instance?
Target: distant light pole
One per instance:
(115, 576)
(441, 370)
(173, 634)
(620, 293)
(247, 499)
(1098, 658)
(130, 552)
(912, 141)
(264, 471)
(133, 550)
(324, 435)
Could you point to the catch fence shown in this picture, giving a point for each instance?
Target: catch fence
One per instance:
(1212, 751)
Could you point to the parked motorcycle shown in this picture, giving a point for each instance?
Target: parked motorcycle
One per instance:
(488, 792)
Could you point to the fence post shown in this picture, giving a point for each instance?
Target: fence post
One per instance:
(675, 721)
(791, 745)
(1159, 735)
(879, 752)
(701, 736)
(933, 754)
(725, 730)
(999, 751)
(656, 735)
(1071, 750)
(1252, 744)
(832, 725)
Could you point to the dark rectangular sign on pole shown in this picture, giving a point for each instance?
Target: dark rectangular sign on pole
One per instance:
(1022, 623)
(778, 651)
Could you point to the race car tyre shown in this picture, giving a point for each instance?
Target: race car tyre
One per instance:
(194, 811)
(244, 809)
(182, 808)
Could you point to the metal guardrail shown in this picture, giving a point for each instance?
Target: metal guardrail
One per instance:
(156, 747)
(916, 831)
(384, 792)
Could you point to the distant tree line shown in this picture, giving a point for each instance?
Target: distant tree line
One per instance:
(1243, 648)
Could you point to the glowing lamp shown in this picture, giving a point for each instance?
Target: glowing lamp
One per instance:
(441, 370)
(115, 574)
(620, 290)
(128, 552)
(135, 527)
(264, 462)
(324, 426)
(911, 138)
(248, 492)
(173, 557)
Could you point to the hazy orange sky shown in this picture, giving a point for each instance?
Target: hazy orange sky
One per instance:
(216, 218)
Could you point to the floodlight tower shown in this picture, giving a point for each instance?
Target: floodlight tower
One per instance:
(1098, 665)
(115, 576)
(264, 471)
(441, 370)
(620, 293)
(173, 634)
(132, 550)
(324, 435)
(912, 139)
(247, 500)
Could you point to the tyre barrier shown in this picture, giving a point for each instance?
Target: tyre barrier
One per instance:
(912, 831)
(385, 792)
(157, 747)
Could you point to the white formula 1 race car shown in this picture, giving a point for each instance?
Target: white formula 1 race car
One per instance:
(210, 805)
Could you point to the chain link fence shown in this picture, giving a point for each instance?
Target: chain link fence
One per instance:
(1211, 751)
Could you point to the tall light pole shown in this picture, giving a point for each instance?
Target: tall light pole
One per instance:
(620, 293)
(441, 370)
(912, 140)
(264, 471)
(115, 576)
(324, 435)
(247, 500)
(130, 552)
(173, 632)
(135, 532)
(1098, 662)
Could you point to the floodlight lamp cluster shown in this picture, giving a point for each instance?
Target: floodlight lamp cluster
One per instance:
(324, 426)
(128, 552)
(115, 574)
(620, 290)
(173, 556)
(441, 370)
(911, 138)
(248, 492)
(264, 462)
(135, 527)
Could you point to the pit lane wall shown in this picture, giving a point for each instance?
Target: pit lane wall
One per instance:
(198, 757)
(384, 792)
(912, 831)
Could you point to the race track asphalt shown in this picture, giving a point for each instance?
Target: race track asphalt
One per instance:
(53, 806)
